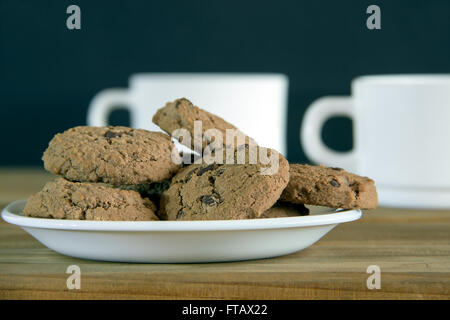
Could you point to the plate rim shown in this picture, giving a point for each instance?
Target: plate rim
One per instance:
(336, 216)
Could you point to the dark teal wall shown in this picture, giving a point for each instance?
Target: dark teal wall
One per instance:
(48, 74)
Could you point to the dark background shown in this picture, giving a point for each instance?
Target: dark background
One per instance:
(48, 74)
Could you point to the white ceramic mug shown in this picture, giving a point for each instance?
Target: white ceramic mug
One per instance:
(255, 103)
(401, 128)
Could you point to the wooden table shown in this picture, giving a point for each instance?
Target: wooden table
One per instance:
(411, 247)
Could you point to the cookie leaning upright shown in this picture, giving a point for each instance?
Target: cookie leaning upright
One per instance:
(114, 155)
(331, 187)
(224, 191)
(181, 114)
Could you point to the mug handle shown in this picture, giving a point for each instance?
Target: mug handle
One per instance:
(310, 132)
(104, 102)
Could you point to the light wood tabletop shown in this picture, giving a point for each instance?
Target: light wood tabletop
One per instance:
(411, 248)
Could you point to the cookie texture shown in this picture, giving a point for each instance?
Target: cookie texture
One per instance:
(113, 155)
(223, 191)
(63, 199)
(331, 187)
(181, 114)
(285, 210)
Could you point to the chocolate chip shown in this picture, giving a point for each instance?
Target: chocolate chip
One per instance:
(180, 214)
(205, 169)
(189, 175)
(111, 134)
(208, 200)
(335, 183)
(336, 168)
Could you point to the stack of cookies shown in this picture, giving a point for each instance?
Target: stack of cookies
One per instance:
(120, 173)
(102, 169)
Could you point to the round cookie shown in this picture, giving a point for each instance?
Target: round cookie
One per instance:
(63, 199)
(113, 155)
(285, 210)
(330, 187)
(223, 191)
(181, 114)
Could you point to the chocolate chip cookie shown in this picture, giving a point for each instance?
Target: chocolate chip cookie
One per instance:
(223, 191)
(113, 155)
(63, 199)
(181, 114)
(331, 187)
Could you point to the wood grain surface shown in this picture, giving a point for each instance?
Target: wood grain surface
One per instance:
(411, 247)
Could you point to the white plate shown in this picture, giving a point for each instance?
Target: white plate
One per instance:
(180, 241)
